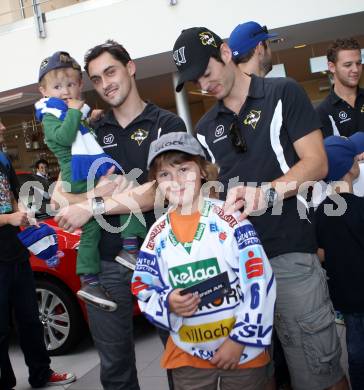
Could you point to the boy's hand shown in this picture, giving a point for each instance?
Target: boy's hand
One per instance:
(360, 157)
(96, 115)
(75, 104)
(228, 355)
(183, 305)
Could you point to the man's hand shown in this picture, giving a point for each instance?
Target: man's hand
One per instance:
(250, 198)
(19, 218)
(73, 217)
(360, 157)
(75, 103)
(228, 355)
(183, 305)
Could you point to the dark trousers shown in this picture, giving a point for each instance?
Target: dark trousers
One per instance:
(112, 332)
(17, 292)
(355, 345)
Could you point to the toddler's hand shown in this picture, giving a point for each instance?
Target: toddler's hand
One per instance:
(96, 115)
(75, 103)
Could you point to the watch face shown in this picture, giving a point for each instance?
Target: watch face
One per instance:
(98, 206)
(271, 197)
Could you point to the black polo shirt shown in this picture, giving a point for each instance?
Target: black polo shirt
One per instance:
(277, 112)
(338, 117)
(129, 146)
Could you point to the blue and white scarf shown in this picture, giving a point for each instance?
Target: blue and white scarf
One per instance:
(85, 151)
(42, 241)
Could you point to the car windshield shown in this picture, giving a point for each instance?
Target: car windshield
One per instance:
(34, 193)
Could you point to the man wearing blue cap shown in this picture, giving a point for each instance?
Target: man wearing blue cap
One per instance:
(17, 291)
(265, 132)
(249, 43)
(340, 228)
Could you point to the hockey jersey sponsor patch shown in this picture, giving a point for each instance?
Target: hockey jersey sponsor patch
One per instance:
(188, 274)
(147, 263)
(206, 332)
(225, 217)
(246, 236)
(253, 264)
(154, 233)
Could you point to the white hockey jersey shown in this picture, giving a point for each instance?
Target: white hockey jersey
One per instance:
(220, 244)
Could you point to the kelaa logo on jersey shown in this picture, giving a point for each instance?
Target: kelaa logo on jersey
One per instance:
(191, 273)
(139, 135)
(252, 118)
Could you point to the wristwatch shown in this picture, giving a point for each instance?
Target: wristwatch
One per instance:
(98, 206)
(271, 196)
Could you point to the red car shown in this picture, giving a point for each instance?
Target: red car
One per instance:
(62, 314)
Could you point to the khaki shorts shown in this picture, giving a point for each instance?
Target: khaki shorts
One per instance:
(305, 322)
(191, 378)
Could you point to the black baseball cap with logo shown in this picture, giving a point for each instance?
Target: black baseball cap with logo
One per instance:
(192, 52)
(60, 59)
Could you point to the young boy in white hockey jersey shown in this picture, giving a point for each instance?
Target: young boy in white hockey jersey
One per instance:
(223, 341)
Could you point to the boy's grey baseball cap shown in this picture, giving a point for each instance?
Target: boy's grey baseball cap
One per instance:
(179, 141)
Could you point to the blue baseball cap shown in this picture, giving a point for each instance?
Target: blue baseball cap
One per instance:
(246, 36)
(341, 152)
(60, 59)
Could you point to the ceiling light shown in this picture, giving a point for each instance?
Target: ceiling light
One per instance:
(300, 46)
(16, 100)
(199, 92)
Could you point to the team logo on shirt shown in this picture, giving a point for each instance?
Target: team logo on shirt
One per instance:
(207, 39)
(362, 108)
(139, 135)
(252, 118)
(343, 115)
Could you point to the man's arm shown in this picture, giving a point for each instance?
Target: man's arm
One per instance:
(312, 166)
(136, 200)
(105, 187)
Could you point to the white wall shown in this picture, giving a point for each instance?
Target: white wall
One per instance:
(145, 27)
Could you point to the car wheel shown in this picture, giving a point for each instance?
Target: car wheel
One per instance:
(60, 315)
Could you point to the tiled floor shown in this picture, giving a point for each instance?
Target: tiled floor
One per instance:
(84, 362)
